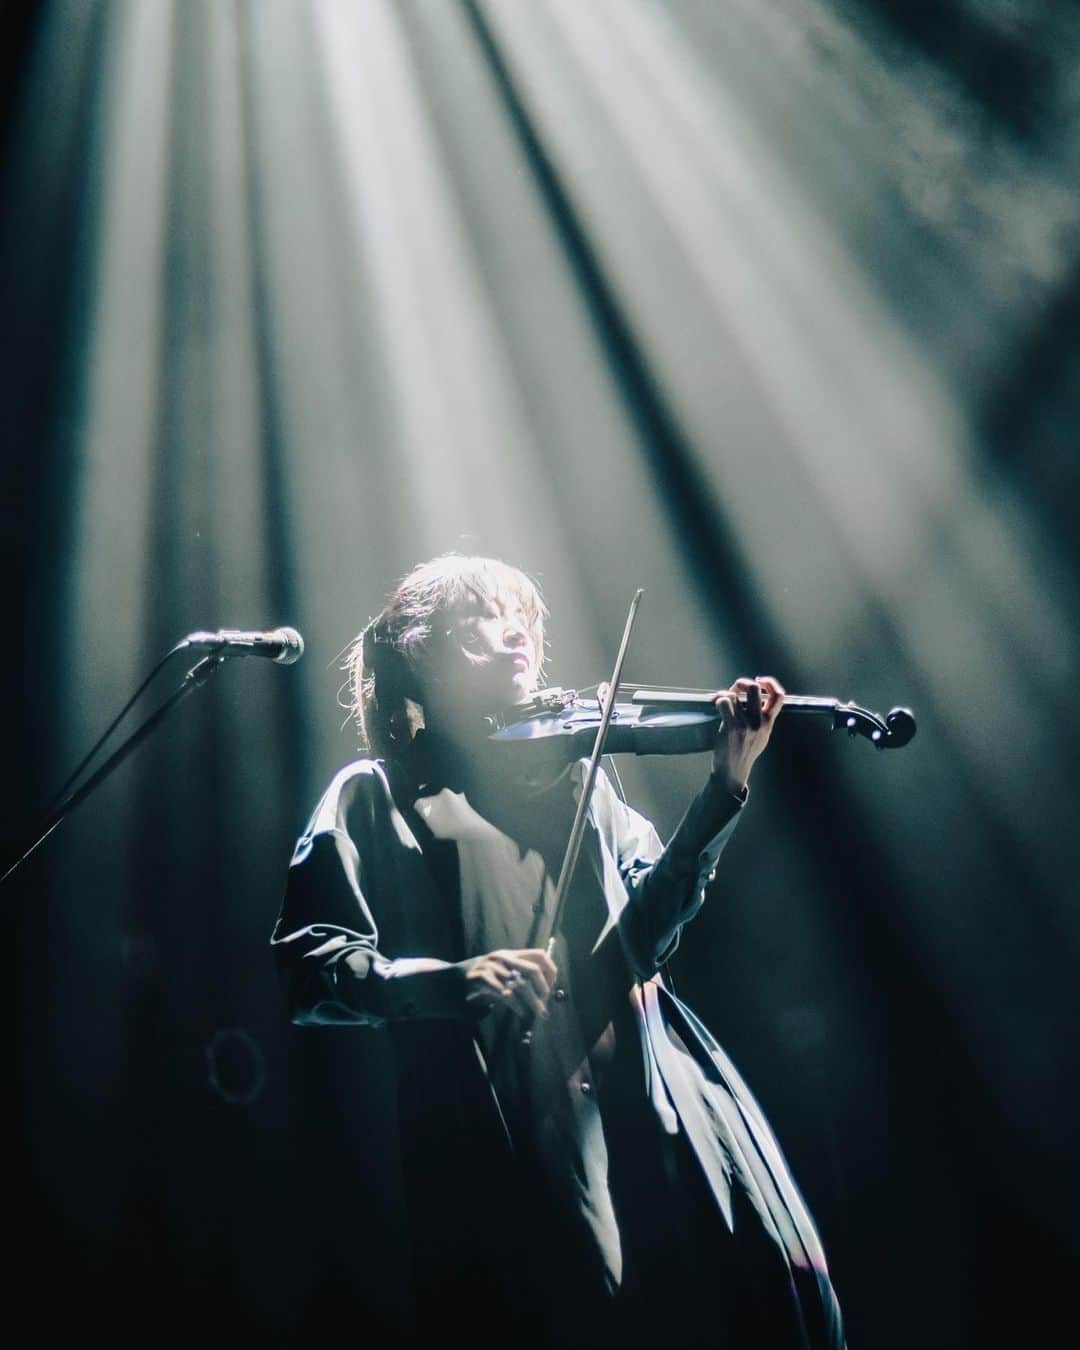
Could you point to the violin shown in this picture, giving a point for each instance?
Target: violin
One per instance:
(560, 724)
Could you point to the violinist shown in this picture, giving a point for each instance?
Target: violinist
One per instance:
(608, 1172)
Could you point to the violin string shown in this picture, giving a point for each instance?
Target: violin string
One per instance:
(589, 689)
(672, 688)
(812, 701)
(696, 689)
(537, 789)
(613, 774)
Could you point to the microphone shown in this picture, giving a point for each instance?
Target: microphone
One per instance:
(283, 645)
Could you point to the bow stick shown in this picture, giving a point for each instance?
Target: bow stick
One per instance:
(577, 831)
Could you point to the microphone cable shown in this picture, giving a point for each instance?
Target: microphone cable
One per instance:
(84, 763)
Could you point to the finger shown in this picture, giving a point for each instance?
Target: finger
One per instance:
(481, 992)
(750, 701)
(725, 706)
(533, 974)
(521, 997)
(746, 691)
(773, 694)
(502, 974)
(507, 975)
(509, 978)
(521, 1010)
(531, 959)
(503, 961)
(527, 1004)
(542, 959)
(489, 988)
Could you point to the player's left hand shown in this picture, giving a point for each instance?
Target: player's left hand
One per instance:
(747, 713)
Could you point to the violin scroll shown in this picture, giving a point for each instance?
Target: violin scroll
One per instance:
(901, 724)
(887, 733)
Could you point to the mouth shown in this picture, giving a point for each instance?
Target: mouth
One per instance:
(521, 662)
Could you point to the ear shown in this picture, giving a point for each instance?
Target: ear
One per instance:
(395, 675)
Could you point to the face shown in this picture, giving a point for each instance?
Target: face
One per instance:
(487, 660)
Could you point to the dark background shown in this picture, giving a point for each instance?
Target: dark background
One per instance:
(771, 310)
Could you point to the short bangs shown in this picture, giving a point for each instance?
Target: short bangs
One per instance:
(454, 582)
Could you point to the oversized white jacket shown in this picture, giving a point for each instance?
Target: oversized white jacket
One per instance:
(369, 935)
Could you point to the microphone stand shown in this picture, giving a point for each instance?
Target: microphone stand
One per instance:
(194, 679)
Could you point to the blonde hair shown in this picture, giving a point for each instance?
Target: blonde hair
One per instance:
(382, 662)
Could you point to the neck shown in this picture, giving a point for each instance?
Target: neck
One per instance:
(449, 755)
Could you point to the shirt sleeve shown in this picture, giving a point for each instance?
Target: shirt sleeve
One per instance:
(665, 886)
(335, 963)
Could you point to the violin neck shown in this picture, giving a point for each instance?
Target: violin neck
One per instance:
(695, 700)
(809, 703)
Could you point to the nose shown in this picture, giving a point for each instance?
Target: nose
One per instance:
(514, 635)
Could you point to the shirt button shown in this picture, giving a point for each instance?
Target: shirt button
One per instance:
(560, 995)
(586, 1087)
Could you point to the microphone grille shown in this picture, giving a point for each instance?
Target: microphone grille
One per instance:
(294, 646)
